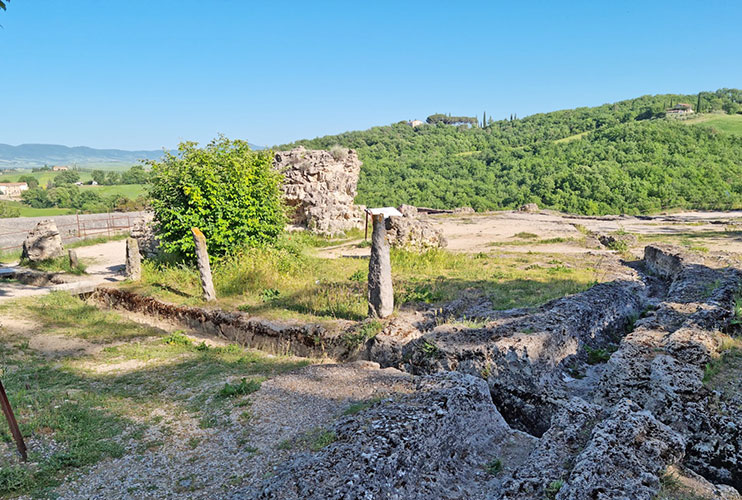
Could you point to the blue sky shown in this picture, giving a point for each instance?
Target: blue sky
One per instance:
(146, 74)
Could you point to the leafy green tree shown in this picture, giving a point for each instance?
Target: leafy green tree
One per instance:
(30, 180)
(7, 210)
(36, 198)
(99, 176)
(113, 178)
(66, 177)
(135, 175)
(231, 193)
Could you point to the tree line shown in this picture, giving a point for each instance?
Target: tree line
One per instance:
(623, 157)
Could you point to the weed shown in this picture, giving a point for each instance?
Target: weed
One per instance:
(525, 236)
(619, 246)
(269, 294)
(360, 406)
(177, 338)
(600, 355)
(321, 438)
(422, 293)
(366, 331)
(242, 388)
(429, 349)
(553, 488)
(493, 467)
(361, 276)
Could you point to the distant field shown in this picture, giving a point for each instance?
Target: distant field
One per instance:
(128, 190)
(43, 177)
(27, 211)
(731, 124)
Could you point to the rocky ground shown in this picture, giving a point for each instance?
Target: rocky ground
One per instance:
(629, 390)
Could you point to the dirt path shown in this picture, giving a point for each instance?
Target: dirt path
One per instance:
(553, 232)
(105, 264)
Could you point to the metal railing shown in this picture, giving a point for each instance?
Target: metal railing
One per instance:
(110, 225)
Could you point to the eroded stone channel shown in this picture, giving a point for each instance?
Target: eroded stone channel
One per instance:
(591, 396)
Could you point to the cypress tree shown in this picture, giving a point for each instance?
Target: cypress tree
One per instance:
(698, 106)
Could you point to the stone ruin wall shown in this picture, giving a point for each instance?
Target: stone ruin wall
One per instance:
(321, 186)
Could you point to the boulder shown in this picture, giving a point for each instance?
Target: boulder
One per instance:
(320, 187)
(616, 241)
(528, 207)
(413, 233)
(463, 210)
(408, 210)
(43, 242)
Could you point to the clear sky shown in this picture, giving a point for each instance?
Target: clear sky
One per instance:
(146, 74)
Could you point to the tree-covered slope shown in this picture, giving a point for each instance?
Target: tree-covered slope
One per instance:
(625, 157)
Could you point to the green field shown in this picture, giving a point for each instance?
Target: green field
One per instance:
(731, 124)
(27, 211)
(129, 190)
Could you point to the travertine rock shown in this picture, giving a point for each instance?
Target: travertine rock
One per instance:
(463, 210)
(528, 207)
(413, 233)
(142, 230)
(321, 188)
(433, 443)
(43, 243)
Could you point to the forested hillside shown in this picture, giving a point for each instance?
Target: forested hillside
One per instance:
(626, 157)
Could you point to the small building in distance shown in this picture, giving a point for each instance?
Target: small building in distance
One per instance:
(60, 168)
(414, 123)
(680, 109)
(12, 189)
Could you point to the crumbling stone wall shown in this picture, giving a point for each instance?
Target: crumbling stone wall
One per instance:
(320, 186)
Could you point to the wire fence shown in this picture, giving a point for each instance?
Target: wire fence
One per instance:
(78, 229)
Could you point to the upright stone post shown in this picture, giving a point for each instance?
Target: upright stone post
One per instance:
(202, 261)
(74, 261)
(133, 260)
(380, 291)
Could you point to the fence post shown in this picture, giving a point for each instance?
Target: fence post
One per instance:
(202, 260)
(78, 224)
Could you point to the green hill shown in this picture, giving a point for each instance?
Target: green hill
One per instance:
(625, 157)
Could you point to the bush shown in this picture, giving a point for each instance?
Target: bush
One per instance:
(232, 194)
(8, 210)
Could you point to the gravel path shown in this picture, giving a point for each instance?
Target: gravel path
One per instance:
(14, 230)
(232, 462)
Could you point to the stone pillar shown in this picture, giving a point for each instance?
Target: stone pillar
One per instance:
(202, 261)
(380, 291)
(74, 261)
(133, 260)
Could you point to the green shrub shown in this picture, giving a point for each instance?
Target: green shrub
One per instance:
(232, 194)
(244, 387)
(493, 467)
(7, 210)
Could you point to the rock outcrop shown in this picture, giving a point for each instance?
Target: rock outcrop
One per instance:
(412, 232)
(43, 243)
(434, 443)
(147, 240)
(528, 207)
(320, 187)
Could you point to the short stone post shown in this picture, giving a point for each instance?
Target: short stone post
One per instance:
(74, 262)
(133, 260)
(202, 261)
(380, 291)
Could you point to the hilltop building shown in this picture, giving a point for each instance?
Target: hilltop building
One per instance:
(60, 168)
(414, 123)
(680, 109)
(12, 189)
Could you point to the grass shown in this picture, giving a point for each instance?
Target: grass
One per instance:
(26, 211)
(493, 467)
(291, 282)
(730, 124)
(76, 409)
(59, 264)
(131, 191)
